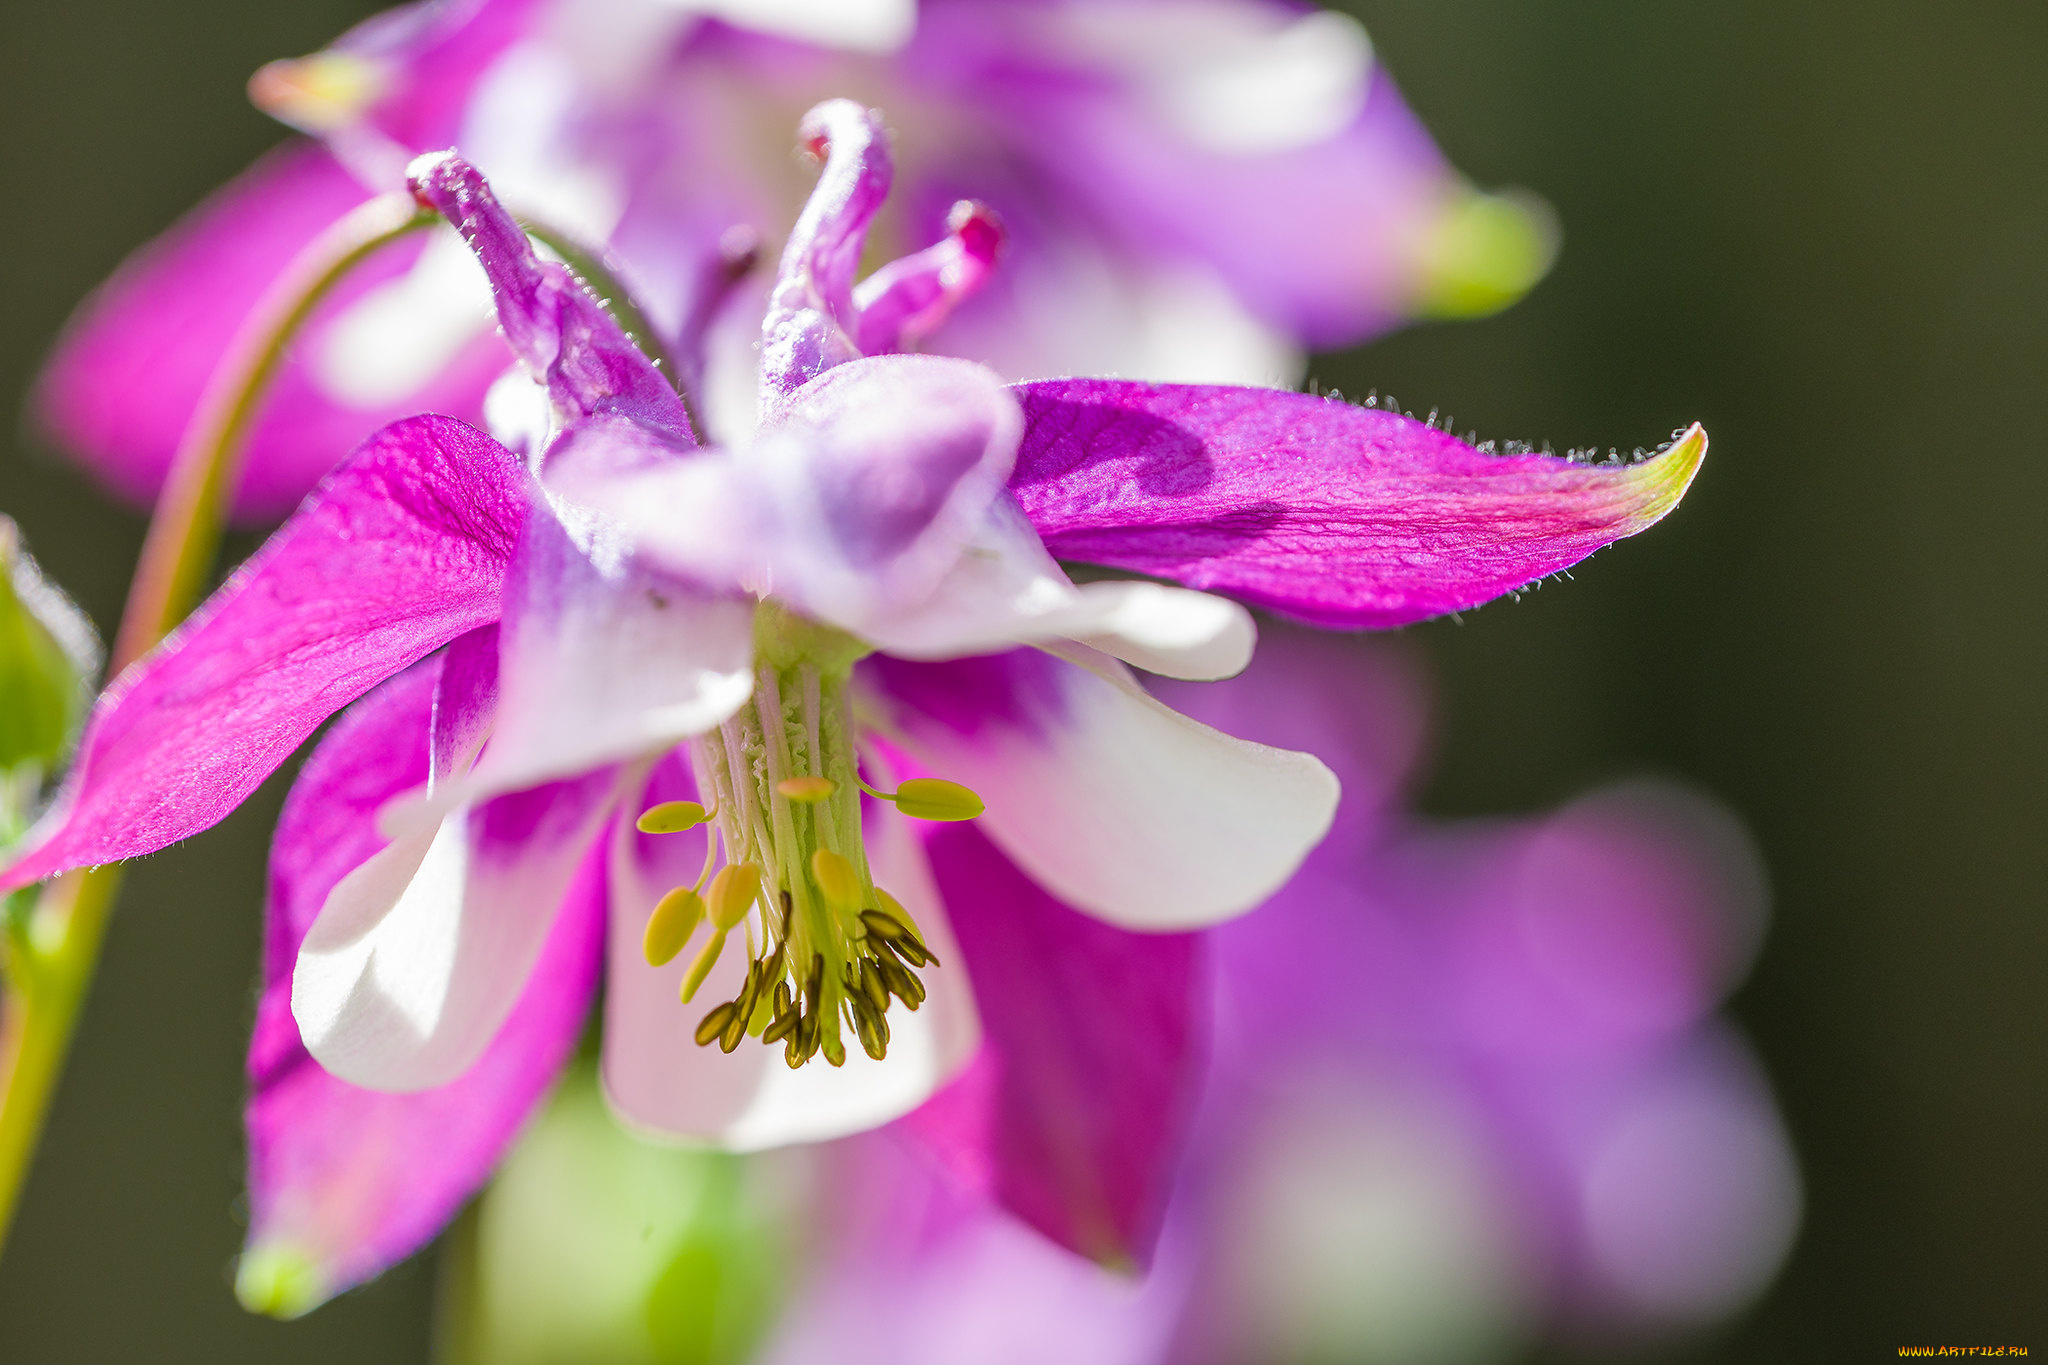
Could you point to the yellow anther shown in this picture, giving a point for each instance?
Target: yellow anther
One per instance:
(807, 790)
(892, 926)
(894, 909)
(933, 798)
(735, 1028)
(836, 879)
(712, 1026)
(671, 817)
(707, 958)
(674, 919)
(732, 893)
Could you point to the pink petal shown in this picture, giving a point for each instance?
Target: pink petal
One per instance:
(1094, 1035)
(344, 1182)
(1121, 807)
(660, 1081)
(130, 367)
(424, 59)
(1335, 514)
(403, 549)
(853, 506)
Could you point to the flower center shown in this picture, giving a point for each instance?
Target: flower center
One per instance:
(827, 949)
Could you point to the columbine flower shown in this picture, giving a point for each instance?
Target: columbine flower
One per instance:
(1467, 1082)
(1194, 188)
(636, 673)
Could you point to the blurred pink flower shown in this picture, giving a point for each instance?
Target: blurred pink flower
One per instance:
(1193, 189)
(630, 621)
(1464, 1080)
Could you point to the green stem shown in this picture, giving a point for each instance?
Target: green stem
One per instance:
(185, 530)
(50, 967)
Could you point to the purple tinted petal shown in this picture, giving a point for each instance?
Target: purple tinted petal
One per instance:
(879, 473)
(554, 324)
(1094, 1035)
(915, 1272)
(1338, 515)
(343, 1181)
(403, 549)
(811, 316)
(1153, 125)
(465, 703)
(1688, 1191)
(134, 359)
(904, 300)
(852, 507)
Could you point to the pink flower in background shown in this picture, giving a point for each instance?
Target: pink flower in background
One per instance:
(1193, 189)
(1466, 1082)
(734, 639)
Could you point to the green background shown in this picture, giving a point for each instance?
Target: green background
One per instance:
(1818, 228)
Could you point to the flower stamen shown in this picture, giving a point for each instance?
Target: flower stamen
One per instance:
(673, 817)
(675, 918)
(827, 949)
(931, 798)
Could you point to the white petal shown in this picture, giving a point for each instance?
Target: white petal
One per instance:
(1006, 590)
(1174, 632)
(1114, 802)
(662, 1083)
(420, 953)
(600, 660)
(1003, 590)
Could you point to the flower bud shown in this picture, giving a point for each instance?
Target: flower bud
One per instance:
(49, 657)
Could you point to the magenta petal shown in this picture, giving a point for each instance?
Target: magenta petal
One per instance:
(555, 325)
(343, 1181)
(425, 61)
(1094, 1035)
(403, 549)
(1335, 514)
